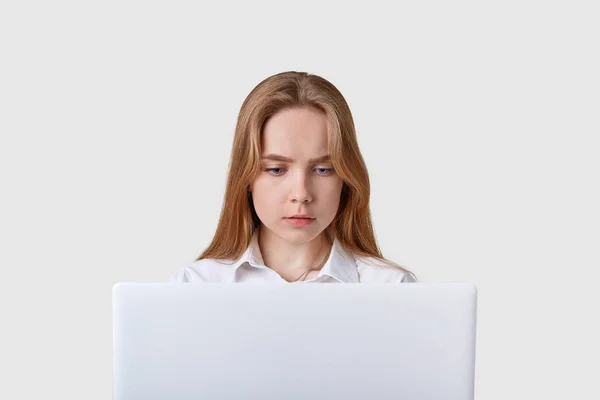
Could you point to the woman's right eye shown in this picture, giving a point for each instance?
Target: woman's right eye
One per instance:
(274, 171)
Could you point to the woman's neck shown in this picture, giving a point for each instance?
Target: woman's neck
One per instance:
(292, 260)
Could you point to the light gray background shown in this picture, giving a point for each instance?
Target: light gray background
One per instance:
(479, 123)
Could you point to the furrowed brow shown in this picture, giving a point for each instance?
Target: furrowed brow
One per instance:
(277, 157)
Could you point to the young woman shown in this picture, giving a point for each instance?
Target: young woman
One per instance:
(296, 205)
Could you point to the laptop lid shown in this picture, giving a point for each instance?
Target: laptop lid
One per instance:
(293, 341)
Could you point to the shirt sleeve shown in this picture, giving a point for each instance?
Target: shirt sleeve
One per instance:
(181, 276)
(409, 277)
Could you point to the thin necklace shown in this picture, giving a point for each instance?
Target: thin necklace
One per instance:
(312, 269)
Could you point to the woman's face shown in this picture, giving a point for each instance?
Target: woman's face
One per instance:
(296, 176)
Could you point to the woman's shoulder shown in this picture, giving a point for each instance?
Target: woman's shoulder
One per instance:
(374, 270)
(206, 270)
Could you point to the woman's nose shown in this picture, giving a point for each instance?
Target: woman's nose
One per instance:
(300, 191)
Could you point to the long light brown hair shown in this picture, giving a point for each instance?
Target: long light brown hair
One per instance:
(352, 224)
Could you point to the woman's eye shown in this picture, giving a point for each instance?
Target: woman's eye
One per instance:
(274, 171)
(324, 171)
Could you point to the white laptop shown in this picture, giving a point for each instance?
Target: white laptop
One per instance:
(293, 341)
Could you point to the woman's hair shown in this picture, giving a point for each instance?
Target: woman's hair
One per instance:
(352, 224)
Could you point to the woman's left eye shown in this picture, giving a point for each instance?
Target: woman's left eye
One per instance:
(327, 171)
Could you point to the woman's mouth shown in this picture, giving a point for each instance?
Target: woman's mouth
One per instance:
(299, 221)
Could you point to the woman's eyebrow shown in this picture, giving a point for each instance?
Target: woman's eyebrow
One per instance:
(277, 157)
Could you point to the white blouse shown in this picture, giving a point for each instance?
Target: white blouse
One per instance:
(341, 266)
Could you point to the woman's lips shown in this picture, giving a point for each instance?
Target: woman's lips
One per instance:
(299, 221)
